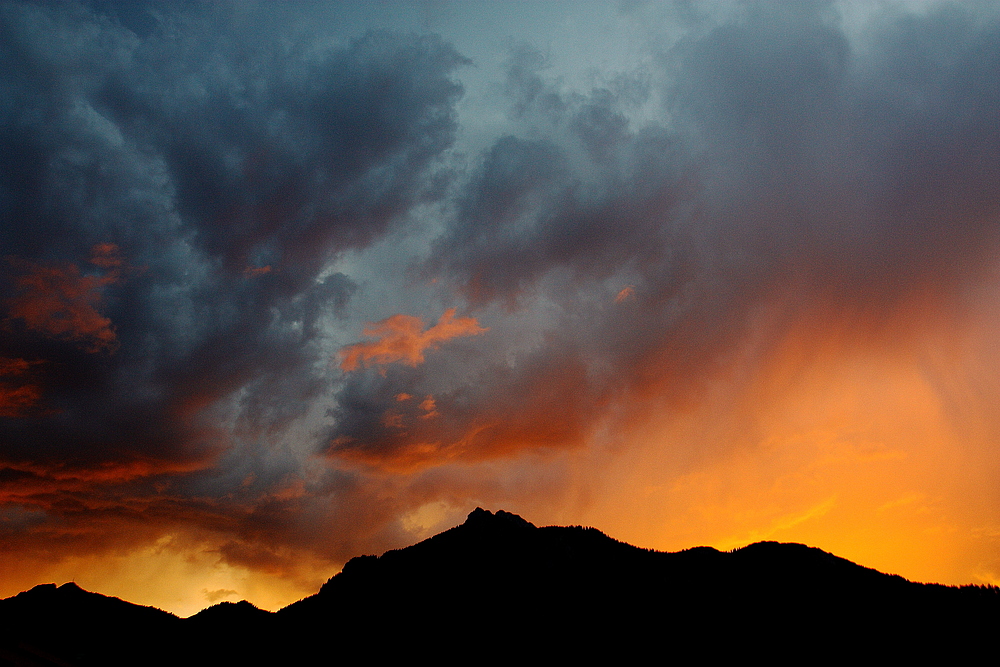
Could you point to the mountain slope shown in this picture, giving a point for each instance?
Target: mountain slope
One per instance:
(583, 593)
(67, 625)
(498, 588)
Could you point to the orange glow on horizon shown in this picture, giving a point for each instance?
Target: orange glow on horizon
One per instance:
(867, 446)
(173, 574)
(864, 438)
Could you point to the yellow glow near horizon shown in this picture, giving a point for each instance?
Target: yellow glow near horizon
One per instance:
(878, 455)
(172, 575)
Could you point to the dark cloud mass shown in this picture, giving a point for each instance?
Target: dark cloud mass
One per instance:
(198, 155)
(190, 194)
(847, 179)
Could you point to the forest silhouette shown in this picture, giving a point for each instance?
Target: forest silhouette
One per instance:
(497, 588)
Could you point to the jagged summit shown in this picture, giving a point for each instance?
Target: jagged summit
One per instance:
(481, 517)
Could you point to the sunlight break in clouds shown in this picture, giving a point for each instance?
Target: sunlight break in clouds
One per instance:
(403, 338)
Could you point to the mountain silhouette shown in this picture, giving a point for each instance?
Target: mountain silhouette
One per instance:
(497, 588)
(67, 625)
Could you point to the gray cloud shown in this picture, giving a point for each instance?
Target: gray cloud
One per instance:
(227, 160)
(616, 241)
(794, 160)
(208, 159)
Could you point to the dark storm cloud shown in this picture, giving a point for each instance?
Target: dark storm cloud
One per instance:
(796, 163)
(878, 163)
(608, 249)
(786, 145)
(225, 161)
(594, 195)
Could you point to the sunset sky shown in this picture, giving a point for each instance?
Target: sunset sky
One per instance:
(286, 283)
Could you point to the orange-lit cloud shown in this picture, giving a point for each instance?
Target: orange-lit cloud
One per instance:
(106, 256)
(10, 366)
(257, 270)
(429, 406)
(17, 396)
(551, 409)
(15, 400)
(627, 292)
(403, 338)
(39, 481)
(61, 301)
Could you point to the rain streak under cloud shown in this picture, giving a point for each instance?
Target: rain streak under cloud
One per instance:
(281, 284)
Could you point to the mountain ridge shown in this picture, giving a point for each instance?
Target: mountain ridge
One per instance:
(553, 590)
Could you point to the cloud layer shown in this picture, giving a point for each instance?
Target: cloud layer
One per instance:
(281, 296)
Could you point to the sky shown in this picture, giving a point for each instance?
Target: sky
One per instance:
(286, 283)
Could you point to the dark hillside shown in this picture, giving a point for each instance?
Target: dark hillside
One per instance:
(573, 590)
(51, 625)
(497, 588)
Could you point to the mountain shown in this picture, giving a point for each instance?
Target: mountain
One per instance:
(67, 625)
(498, 588)
(498, 581)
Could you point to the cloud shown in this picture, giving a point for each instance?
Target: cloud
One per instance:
(165, 138)
(106, 256)
(762, 193)
(62, 302)
(14, 366)
(543, 403)
(16, 400)
(220, 594)
(625, 294)
(403, 338)
(782, 188)
(298, 149)
(18, 394)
